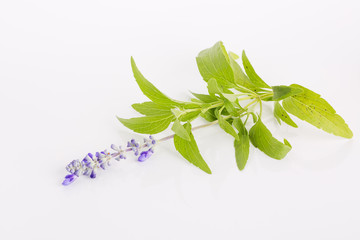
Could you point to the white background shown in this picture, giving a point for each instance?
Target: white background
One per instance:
(65, 74)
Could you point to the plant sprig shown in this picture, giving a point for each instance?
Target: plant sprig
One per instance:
(227, 86)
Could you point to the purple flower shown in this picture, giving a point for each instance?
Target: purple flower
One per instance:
(73, 166)
(145, 155)
(100, 160)
(69, 179)
(134, 146)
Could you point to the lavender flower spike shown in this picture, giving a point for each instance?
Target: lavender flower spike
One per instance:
(100, 160)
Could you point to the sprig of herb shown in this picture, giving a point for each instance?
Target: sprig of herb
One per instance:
(227, 86)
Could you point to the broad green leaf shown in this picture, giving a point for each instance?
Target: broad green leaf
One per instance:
(310, 107)
(242, 145)
(149, 89)
(281, 114)
(240, 77)
(214, 63)
(151, 108)
(282, 92)
(148, 124)
(179, 130)
(205, 98)
(254, 78)
(262, 138)
(226, 126)
(190, 151)
(214, 88)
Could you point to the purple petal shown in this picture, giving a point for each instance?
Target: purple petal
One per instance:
(77, 173)
(145, 155)
(114, 147)
(86, 172)
(93, 174)
(69, 179)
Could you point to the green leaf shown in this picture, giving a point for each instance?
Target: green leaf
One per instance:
(242, 145)
(233, 55)
(254, 78)
(262, 138)
(190, 151)
(281, 114)
(282, 92)
(148, 124)
(149, 89)
(209, 115)
(188, 117)
(310, 107)
(189, 105)
(214, 88)
(151, 108)
(230, 97)
(215, 63)
(240, 77)
(254, 117)
(231, 108)
(226, 126)
(177, 112)
(179, 130)
(205, 98)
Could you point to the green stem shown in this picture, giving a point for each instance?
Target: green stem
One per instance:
(258, 99)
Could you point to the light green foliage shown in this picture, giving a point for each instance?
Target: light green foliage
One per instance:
(149, 89)
(282, 92)
(151, 108)
(226, 126)
(262, 138)
(240, 77)
(242, 144)
(190, 151)
(281, 115)
(254, 78)
(148, 124)
(209, 115)
(214, 88)
(205, 98)
(215, 63)
(309, 106)
(189, 116)
(180, 131)
(231, 108)
(228, 85)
